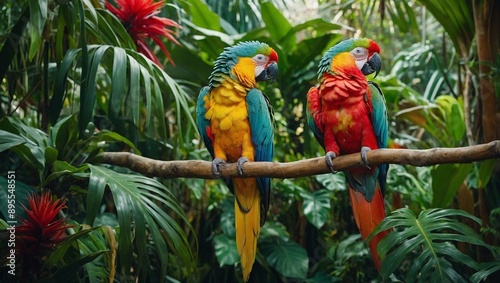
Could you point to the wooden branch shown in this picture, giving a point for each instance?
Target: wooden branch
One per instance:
(301, 168)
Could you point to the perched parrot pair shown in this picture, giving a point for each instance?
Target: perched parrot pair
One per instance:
(346, 113)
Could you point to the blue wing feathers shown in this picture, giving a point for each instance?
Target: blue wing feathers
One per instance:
(365, 183)
(379, 115)
(380, 127)
(262, 130)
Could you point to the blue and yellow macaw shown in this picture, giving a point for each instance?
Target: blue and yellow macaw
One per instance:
(348, 114)
(235, 121)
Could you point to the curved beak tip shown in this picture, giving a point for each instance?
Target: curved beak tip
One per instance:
(270, 73)
(373, 65)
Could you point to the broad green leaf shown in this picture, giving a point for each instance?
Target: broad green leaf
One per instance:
(316, 207)
(38, 16)
(8, 140)
(487, 269)
(351, 247)
(196, 186)
(485, 172)
(213, 37)
(277, 25)
(87, 93)
(119, 79)
(287, 257)
(274, 229)
(135, 91)
(456, 123)
(64, 134)
(446, 179)
(108, 136)
(97, 186)
(453, 115)
(57, 100)
(308, 50)
(225, 250)
(430, 235)
(201, 15)
(50, 155)
(27, 142)
(332, 182)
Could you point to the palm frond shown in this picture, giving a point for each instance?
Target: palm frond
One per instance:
(132, 75)
(143, 205)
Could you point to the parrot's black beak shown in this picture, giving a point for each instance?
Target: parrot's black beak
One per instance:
(374, 64)
(270, 73)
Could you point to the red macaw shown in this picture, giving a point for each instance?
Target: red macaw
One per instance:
(235, 121)
(348, 114)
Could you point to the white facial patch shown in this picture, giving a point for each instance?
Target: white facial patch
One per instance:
(260, 63)
(360, 56)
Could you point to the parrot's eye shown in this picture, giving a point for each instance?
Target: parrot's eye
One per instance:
(359, 53)
(260, 59)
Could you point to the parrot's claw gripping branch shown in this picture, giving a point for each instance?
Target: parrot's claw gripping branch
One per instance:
(241, 161)
(364, 150)
(329, 161)
(216, 163)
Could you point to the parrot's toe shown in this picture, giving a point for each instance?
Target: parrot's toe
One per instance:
(240, 163)
(364, 150)
(216, 163)
(329, 160)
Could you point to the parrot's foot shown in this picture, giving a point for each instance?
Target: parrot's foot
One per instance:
(216, 163)
(329, 160)
(241, 161)
(364, 150)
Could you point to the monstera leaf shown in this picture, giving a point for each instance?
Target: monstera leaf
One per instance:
(287, 257)
(431, 235)
(316, 207)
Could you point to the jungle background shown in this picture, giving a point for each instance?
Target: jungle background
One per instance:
(75, 83)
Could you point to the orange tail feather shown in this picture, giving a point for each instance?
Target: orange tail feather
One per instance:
(247, 221)
(368, 215)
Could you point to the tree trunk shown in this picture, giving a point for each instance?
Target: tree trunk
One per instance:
(486, 18)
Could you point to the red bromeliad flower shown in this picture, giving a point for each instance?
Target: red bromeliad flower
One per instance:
(138, 17)
(42, 230)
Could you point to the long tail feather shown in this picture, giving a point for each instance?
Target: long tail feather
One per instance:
(247, 221)
(368, 215)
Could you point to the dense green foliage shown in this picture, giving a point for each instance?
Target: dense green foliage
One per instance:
(72, 85)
